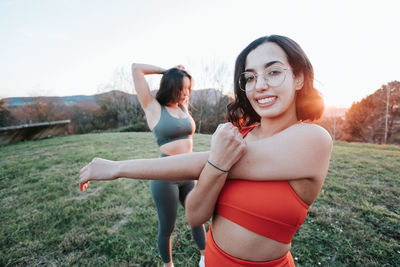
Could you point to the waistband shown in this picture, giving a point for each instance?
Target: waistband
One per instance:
(215, 256)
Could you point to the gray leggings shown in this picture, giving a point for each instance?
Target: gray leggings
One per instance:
(166, 195)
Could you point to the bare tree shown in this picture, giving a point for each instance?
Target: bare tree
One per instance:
(215, 74)
(209, 103)
(121, 80)
(117, 104)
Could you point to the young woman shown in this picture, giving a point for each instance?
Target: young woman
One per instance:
(168, 118)
(265, 168)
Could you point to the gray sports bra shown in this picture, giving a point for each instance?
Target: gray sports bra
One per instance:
(169, 128)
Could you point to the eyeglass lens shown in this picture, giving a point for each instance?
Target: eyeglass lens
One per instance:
(273, 76)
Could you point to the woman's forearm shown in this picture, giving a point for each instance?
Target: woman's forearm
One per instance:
(142, 88)
(200, 203)
(179, 167)
(173, 168)
(227, 147)
(146, 69)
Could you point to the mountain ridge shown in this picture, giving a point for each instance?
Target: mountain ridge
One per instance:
(209, 94)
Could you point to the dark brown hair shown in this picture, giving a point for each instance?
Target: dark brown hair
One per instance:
(171, 86)
(309, 103)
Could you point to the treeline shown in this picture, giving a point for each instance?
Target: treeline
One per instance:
(114, 110)
(374, 119)
(108, 111)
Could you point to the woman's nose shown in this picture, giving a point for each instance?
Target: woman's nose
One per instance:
(261, 83)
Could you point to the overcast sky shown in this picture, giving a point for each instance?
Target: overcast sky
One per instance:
(69, 47)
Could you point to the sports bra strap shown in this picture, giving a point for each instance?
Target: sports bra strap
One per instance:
(245, 130)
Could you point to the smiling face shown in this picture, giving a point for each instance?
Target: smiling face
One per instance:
(268, 101)
(257, 99)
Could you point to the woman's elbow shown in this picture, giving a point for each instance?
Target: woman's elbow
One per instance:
(196, 218)
(134, 66)
(195, 211)
(192, 219)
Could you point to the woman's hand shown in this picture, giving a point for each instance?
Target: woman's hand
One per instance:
(98, 169)
(227, 146)
(181, 67)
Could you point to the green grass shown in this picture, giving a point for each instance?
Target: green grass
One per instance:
(46, 220)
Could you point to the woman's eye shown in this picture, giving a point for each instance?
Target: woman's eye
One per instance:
(250, 78)
(274, 72)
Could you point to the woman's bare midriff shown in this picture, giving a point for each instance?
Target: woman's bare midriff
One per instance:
(180, 146)
(227, 235)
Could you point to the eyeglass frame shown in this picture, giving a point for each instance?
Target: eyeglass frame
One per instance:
(265, 79)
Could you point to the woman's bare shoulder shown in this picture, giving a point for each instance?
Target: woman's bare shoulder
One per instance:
(312, 135)
(310, 130)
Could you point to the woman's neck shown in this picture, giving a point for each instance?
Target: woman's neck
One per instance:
(271, 126)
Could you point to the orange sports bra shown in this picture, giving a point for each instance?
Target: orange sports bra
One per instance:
(269, 208)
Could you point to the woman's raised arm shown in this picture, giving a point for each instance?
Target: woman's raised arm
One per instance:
(145, 97)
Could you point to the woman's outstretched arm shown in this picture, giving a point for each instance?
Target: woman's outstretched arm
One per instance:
(179, 167)
(298, 152)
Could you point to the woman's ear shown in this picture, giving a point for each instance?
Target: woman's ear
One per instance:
(299, 81)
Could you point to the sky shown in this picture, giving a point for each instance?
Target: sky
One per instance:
(73, 47)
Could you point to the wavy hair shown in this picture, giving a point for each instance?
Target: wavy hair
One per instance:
(309, 103)
(171, 86)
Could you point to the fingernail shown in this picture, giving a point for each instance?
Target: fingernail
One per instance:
(84, 186)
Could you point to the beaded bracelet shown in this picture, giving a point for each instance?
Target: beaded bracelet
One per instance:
(216, 167)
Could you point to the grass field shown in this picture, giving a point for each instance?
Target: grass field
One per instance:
(46, 220)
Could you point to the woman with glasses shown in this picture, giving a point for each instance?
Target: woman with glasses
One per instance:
(265, 168)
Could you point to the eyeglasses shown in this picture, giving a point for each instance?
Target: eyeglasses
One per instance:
(273, 76)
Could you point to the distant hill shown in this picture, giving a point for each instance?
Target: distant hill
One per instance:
(210, 95)
(14, 102)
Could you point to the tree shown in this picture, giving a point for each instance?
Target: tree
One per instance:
(118, 107)
(366, 120)
(6, 118)
(209, 105)
(332, 120)
(208, 108)
(333, 125)
(39, 109)
(215, 74)
(81, 116)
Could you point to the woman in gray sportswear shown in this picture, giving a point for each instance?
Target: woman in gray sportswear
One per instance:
(168, 118)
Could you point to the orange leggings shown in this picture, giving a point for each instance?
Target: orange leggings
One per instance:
(216, 257)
